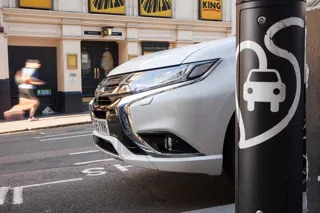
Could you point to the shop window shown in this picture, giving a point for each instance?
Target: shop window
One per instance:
(107, 62)
(210, 10)
(151, 47)
(155, 8)
(36, 4)
(85, 64)
(117, 7)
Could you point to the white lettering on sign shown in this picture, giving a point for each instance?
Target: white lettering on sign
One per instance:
(94, 171)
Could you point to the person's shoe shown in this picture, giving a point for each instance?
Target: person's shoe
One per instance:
(33, 119)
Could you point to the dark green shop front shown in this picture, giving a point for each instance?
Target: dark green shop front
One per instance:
(47, 94)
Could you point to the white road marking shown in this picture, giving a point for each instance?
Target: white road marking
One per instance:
(17, 196)
(85, 152)
(94, 171)
(3, 194)
(76, 136)
(94, 161)
(129, 166)
(121, 168)
(51, 183)
(70, 133)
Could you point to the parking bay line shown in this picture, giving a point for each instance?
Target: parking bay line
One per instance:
(76, 136)
(70, 133)
(3, 193)
(122, 168)
(85, 152)
(50, 183)
(94, 161)
(17, 196)
(18, 191)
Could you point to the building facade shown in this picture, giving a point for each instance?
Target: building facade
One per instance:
(70, 38)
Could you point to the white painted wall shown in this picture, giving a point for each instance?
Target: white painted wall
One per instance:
(234, 17)
(184, 9)
(4, 69)
(123, 52)
(181, 9)
(64, 81)
(69, 5)
(9, 3)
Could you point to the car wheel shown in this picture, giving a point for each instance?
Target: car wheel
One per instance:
(229, 150)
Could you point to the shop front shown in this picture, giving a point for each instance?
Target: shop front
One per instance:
(47, 94)
(97, 60)
(151, 47)
(77, 50)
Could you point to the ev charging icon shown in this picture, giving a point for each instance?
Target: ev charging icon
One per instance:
(264, 86)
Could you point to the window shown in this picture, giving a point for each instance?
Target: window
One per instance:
(36, 4)
(117, 7)
(151, 47)
(210, 10)
(155, 8)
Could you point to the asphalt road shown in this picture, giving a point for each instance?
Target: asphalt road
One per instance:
(60, 170)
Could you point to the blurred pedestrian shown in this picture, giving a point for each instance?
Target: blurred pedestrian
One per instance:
(27, 79)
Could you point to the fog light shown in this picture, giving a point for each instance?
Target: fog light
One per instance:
(168, 143)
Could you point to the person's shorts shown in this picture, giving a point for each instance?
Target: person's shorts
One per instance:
(26, 93)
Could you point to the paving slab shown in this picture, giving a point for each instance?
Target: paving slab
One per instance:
(44, 123)
(231, 208)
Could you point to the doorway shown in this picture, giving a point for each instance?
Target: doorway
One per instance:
(47, 94)
(97, 60)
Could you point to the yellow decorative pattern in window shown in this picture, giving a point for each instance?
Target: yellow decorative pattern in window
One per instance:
(36, 4)
(155, 8)
(107, 6)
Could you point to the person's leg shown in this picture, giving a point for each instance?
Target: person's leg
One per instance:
(34, 107)
(17, 111)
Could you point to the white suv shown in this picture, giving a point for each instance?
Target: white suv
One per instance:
(175, 110)
(172, 110)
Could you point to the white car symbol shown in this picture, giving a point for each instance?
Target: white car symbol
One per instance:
(264, 86)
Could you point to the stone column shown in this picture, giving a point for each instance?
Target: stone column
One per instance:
(69, 80)
(5, 95)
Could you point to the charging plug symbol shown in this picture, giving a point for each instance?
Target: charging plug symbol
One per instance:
(264, 86)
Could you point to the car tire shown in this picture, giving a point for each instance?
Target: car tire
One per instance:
(229, 150)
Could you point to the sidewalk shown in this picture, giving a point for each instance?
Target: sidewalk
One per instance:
(231, 208)
(44, 122)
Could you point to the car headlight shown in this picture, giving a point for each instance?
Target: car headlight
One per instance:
(161, 77)
(151, 79)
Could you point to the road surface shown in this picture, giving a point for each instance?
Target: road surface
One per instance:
(60, 170)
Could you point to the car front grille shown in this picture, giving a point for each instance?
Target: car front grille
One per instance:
(103, 101)
(99, 114)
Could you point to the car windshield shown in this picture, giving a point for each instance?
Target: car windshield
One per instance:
(263, 77)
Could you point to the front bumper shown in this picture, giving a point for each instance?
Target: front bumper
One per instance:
(210, 165)
(165, 110)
